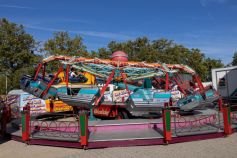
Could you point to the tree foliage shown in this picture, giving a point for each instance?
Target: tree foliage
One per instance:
(234, 61)
(63, 44)
(16, 52)
(164, 51)
(210, 64)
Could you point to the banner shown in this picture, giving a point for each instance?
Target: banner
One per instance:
(13, 102)
(120, 95)
(37, 105)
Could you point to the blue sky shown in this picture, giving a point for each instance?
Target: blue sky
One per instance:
(210, 25)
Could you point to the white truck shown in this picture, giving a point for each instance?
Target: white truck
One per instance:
(225, 82)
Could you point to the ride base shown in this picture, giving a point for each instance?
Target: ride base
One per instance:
(81, 133)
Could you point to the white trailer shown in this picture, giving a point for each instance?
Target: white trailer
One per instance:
(225, 82)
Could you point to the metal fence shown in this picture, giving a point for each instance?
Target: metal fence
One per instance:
(64, 127)
(197, 124)
(234, 120)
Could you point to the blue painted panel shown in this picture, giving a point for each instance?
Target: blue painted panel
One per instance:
(62, 90)
(209, 93)
(130, 87)
(33, 84)
(88, 91)
(198, 97)
(136, 95)
(162, 95)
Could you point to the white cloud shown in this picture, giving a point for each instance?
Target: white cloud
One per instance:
(108, 35)
(205, 3)
(74, 20)
(15, 6)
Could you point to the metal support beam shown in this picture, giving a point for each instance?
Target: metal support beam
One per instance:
(104, 88)
(52, 81)
(166, 116)
(166, 81)
(125, 82)
(37, 71)
(227, 120)
(199, 82)
(44, 69)
(25, 121)
(180, 86)
(83, 118)
(220, 104)
(67, 74)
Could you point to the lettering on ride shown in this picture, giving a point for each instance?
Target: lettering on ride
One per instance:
(120, 95)
(234, 117)
(59, 108)
(102, 111)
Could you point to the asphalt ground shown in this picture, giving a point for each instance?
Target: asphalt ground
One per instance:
(212, 148)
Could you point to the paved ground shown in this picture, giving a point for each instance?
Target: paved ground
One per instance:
(214, 148)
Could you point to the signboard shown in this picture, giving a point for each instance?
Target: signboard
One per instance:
(13, 102)
(37, 105)
(120, 95)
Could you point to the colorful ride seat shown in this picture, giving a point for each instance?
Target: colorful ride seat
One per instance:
(79, 79)
(48, 78)
(25, 82)
(84, 98)
(147, 98)
(38, 87)
(190, 102)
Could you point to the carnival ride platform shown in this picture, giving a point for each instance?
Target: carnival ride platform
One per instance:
(66, 132)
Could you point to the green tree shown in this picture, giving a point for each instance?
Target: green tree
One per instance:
(196, 59)
(234, 61)
(93, 54)
(161, 47)
(63, 44)
(103, 53)
(16, 52)
(164, 51)
(211, 64)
